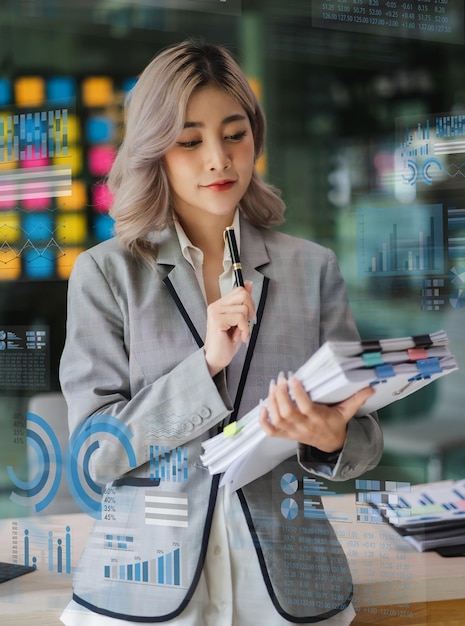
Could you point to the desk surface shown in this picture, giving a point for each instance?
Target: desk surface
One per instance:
(394, 583)
(386, 568)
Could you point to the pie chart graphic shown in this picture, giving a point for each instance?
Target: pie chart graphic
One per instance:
(289, 508)
(289, 483)
(457, 275)
(457, 299)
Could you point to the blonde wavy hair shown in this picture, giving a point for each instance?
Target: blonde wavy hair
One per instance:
(154, 119)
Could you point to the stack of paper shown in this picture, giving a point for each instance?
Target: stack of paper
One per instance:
(394, 367)
(429, 516)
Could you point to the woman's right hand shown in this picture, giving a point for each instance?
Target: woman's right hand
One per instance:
(228, 327)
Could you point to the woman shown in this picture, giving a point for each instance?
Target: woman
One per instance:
(160, 338)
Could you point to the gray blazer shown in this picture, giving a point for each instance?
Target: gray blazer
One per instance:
(131, 354)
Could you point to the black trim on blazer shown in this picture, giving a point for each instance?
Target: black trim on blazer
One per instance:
(195, 579)
(250, 348)
(134, 481)
(267, 581)
(215, 479)
(183, 311)
(250, 351)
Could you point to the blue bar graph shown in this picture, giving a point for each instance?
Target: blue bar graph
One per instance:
(45, 550)
(168, 464)
(34, 135)
(165, 569)
(400, 241)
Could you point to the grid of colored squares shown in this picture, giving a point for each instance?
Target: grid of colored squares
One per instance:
(54, 201)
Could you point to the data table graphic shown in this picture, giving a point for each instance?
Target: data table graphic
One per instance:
(438, 21)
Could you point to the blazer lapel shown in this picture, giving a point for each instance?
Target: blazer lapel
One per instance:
(171, 263)
(253, 255)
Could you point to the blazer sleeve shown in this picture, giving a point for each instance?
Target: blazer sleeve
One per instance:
(96, 379)
(363, 446)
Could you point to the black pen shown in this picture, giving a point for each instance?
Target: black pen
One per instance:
(233, 251)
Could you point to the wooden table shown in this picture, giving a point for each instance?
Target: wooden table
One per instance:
(394, 583)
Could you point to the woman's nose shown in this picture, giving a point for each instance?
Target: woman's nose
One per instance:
(218, 157)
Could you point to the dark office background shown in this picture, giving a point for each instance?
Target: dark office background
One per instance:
(340, 96)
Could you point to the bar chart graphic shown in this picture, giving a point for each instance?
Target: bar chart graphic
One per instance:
(166, 568)
(430, 150)
(33, 135)
(43, 548)
(400, 241)
(456, 232)
(313, 508)
(168, 464)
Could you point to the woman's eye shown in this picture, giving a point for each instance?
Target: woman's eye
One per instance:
(188, 144)
(237, 136)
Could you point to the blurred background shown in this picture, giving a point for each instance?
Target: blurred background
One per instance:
(365, 101)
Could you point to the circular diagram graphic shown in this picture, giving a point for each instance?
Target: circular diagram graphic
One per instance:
(457, 275)
(84, 490)
(457, 299)
(289, 508)
(42, 488)
(289, 483)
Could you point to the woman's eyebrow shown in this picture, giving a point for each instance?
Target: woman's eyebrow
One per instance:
(237, 117)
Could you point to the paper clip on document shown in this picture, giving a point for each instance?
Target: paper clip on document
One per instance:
(427, 367)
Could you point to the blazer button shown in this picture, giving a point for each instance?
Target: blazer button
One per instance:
(196, 419)
(205, 412)
(347, 470)
(188, 425)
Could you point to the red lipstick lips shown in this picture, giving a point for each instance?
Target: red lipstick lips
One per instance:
(221, 185)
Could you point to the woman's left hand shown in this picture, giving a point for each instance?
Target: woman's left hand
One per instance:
(311, 423)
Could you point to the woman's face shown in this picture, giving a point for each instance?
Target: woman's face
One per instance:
(210, 167)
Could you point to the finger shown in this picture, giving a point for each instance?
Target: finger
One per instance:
(245, 297)
(285, 405)
(240, 320)
(248, 285)
(265, 421)
(350, 406)
(236, 334)
(252, 311)
(231, 315)
(273, 409)
(301, 397)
